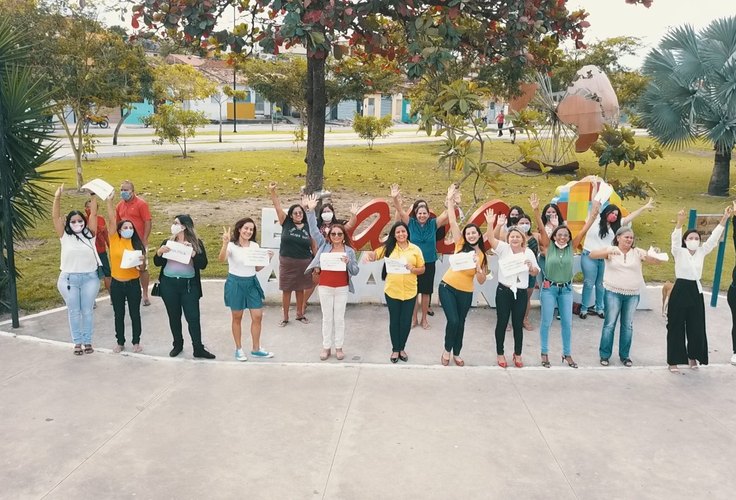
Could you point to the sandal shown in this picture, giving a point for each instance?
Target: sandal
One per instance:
(604, 362)
(458, 361)
(339, 354)
(673, 369)
(303, 319)
(283, 323)
(88, 349)
(545, 361)
(517, 361)
(445, 360)
(569, 361)
(501, 360)
(78, 350)
(627, 362)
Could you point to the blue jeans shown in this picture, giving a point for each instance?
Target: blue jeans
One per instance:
(592, 279)
(561, 298)
(624, 306)
(79, 291)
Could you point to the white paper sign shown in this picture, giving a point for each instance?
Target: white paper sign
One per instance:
(396, 266)
(99, 187)
(257, 257)
(658, 255)
(131, 259)
(178, 252)
(332, 261)
(605, 191)
(462, 261)
(515, 264)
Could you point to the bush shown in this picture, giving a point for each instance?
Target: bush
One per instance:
(176, 125)
(370, 128)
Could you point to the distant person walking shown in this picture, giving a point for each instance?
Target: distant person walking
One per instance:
(500, 118)
(133, 208)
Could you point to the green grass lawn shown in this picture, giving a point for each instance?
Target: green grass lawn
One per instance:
(219, 180)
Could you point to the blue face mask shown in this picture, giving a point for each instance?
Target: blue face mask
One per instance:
(126, 195)
(126, 233)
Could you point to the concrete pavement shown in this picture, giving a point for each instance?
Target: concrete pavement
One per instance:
(147, 426)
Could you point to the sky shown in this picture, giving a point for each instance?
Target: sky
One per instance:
(609, 18)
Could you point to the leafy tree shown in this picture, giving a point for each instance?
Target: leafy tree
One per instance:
(617, 146)
(179, 83)
(690, 95)
(176, 125)
(371, 128)
(279, 81)
(25, 145)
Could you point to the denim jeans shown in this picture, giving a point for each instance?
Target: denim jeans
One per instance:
(561, 298)
(593, 282)
(624, 306)
(79, 291)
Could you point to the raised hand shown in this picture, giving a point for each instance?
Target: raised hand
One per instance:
(354, 208)
(60, 191)
(650, 204)
(501, 220)
(272, 187)
(311, 201)
(534, 201)
(490, 216)
(596, 207)
(681, 217)
(225, 234)
(451, 191)
(395, 191)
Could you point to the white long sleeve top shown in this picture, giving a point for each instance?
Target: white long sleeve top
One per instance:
(690, 266)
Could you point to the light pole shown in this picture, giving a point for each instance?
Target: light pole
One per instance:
(8, 228)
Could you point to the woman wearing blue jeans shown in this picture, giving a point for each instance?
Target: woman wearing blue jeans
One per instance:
(622, 283)
(556, 290)
(78, 282)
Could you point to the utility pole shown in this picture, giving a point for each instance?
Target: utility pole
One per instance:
(8, 228)
(235, 82)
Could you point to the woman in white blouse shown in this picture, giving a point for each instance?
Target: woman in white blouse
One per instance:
(513, 281)
(78, 282)
(622, 283)
(686, 310)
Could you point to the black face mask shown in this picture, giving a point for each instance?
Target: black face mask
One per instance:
(513, 221)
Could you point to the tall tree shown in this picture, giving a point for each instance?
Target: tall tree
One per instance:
(691, 96)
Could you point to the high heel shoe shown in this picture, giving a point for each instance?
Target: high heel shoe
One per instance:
(517, 361)
(545, 361)
(569, 361)
(501, 360)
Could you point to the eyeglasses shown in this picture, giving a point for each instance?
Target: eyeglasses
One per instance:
(336, 234)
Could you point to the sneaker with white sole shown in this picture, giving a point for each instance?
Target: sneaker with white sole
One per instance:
(733, 359)
(240, 355)
(261, 354)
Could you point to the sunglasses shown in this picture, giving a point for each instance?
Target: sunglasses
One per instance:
(336, 234)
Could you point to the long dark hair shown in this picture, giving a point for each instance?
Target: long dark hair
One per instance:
(289, 214)
(135, 239)
(390, 244)
(688, 233)
(603, 224)
(189, 234)
(560, 218)
(558, 228)
(415, 206)
(68, 228)
(235, 236)
(482, 244)
(519, 210)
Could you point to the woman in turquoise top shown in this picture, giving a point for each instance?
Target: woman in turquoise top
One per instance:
(556, 288)
(423, 230)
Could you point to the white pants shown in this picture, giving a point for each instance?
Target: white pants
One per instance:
(333, 301)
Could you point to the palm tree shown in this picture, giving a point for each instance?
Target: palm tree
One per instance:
(25, 145)
(692, 93)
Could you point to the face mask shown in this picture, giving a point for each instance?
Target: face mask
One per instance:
(552, 218)
(611, 218)
(126, 195)
(126, 233)
(692, 244)
(558, 245)
(513, 221)
(327, 216)
(176, 229)
(77, 227)
(524, 228)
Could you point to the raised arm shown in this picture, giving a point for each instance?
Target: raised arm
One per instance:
(636, 213)
(457, 236)
(589, 222)
(353, 221)
(222, 256)
(311, 203)
(676, 237)
(396, 197)
(92, 222)
(276, 203)
(112, 215)
(543, 238)
(733, 233)
(712, 240)
(56, 212)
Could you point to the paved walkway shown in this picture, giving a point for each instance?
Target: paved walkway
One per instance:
(147, 426)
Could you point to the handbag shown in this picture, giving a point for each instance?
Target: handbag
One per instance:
(156, 290)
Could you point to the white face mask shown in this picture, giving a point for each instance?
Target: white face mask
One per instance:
(176, 229)
(692, 245)
(524, 228)
(327, 216)
(558, 245)
(77, 227)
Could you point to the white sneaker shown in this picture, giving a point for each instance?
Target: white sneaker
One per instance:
(733, 359)
(240, 355)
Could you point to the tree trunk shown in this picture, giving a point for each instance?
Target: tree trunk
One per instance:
(123, 117)
(78, 156)
(316, 108)
(719, 179)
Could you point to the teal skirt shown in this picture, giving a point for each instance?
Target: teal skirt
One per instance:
(243, 293)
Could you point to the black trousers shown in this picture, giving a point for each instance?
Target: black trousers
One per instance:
(120, 292)
(686, 321)
(400, 314)
(455, 304)
(732, 304)
(509, 306)
(182, 295)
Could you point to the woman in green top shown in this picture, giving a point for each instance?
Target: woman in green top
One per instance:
(556, 288)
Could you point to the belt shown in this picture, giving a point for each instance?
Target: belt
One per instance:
(559, 285)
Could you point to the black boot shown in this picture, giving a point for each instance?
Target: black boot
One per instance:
(201, 352)
(175, 351)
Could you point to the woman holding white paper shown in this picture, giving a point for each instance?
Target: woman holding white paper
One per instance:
(622, 282)
(242, 288)
(516, 263)
(601, 238)
(686, 338)
(78, 282)
(456, 287)
(180, 283)
(404, 262)
(126, 269)
(334, 283)
(556, 290)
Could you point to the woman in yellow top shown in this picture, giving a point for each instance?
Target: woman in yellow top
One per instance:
(456, 287)
(125, 284)
(405, 263)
